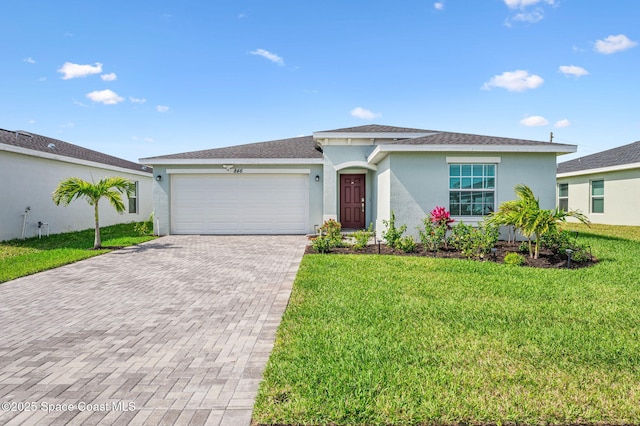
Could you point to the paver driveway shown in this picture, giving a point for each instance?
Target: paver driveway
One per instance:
(174, 331)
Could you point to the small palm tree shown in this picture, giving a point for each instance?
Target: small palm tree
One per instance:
(526, 216)
(110, 188)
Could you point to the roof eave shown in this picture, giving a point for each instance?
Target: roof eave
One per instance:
(216, 161)
(617, 168)
(72, 160)
(382, 151)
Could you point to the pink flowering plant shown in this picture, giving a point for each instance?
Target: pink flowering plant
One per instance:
(441, 217)
(436, 225)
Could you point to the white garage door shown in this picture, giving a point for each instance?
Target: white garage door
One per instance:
(239, 204)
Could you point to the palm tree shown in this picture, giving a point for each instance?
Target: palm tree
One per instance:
(545, 222)
(514, 213)
(526, 216)
(110, 188)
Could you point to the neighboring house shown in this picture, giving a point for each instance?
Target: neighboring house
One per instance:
(31, 166)
(604, 186)
(355, 175)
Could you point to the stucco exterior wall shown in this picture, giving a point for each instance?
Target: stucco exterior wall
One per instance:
(537, 171)
(383, 195)
(162, 189)
(420, 181)
(621, 196)
(30, 181)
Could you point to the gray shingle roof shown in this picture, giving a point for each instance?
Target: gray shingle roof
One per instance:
(301, 147)
(305, 147)
(626, 154)
(41, 143)
(376, 128)
(450, 138)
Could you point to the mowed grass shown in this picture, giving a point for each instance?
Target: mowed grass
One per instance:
(24, 257)
(381, 340)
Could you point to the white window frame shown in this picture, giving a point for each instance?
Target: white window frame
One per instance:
(134, 198)
(484, 190)
(564, 198)
(596, 197)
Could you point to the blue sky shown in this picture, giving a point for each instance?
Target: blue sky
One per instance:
(138, 79)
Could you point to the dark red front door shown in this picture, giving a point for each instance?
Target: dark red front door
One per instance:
(352, 201)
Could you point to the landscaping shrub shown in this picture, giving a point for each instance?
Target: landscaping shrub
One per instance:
(331, 229)
(474, 242)
(362, 237)
(322, 244)
(436, 225)
(431, 236)
(514, 259)
(559, 241)
(407, 244)
(393, 235)
(523, 247)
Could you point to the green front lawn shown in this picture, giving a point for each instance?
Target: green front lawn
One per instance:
(24, 257)
(382, 340)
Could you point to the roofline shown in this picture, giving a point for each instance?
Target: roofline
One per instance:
(72, 160)
(382, 151)
(215, 161)
(371, 135)
(619, 167)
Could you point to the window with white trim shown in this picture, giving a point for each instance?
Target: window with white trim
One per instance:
(472, 189)
(597, 196)
(563, 196)
(133, 198)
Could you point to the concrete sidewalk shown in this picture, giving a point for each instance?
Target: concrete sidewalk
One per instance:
(174, 331)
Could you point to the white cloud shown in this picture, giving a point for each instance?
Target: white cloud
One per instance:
(29, 60)
(534, 121)
(514, 81)
(76, 102)
(521, 4)
(438, 5)
(613, 44)
(268, 55)
(109, 77)
(107, 97)
(68, 125)
(531, 17)
(32, 121)
(563, 123)
(137, 100)
(364, 114)
(71, 70)
(162, 108)
(242, 15)
(148, 139)
(573, 70)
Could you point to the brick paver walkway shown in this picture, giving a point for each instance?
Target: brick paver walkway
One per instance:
(174, 331)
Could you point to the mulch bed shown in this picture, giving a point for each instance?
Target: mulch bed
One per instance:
(546, 258)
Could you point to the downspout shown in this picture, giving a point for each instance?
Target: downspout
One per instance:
(24, 220)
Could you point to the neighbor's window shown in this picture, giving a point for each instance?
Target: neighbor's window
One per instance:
(563, 196)
(597, 196)
(133, 199)
(472, 189)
